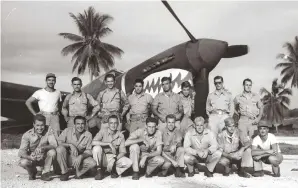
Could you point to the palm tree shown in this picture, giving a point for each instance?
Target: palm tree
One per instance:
(275, 102)
(88, 49)
(290, 63)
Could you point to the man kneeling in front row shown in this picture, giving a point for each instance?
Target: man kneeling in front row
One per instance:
(265, 149)
(75, 149)
(201, 146)
(173, 152)
(38, 148)
(109, 150)
(145, 146)
(235, 148)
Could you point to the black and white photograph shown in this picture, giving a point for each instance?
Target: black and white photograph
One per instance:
(163, 94)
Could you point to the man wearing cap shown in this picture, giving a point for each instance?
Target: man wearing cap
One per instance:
(200, 145)
(109, 150)
(235, 149)
(219, 106)
(249, 107)
(173, 151)
(48, 99)
(75, 150)
(140, 106)
(188, 102)
(38, 149)
(167, 102)
(265, 149)
(111, 101)
(145, 147)
(77, 104)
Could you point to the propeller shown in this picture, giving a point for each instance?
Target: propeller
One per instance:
(236, 51)
(166, 4)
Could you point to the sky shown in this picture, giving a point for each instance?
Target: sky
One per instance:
(31, 47)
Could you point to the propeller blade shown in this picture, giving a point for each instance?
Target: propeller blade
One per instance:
(193, 39)
(236, 51)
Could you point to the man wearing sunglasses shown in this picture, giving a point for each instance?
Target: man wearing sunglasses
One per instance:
(219, 106)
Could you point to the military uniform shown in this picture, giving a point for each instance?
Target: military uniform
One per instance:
(188, 109)
(151, 144)
(139, 110)
(103, 154)
(83, 145)
(167, 104)
(30, 142)
(110, 102)
(193, 142)
(219, 106)
(248, 107)
(78, 106)
(231, 145)
(173, 139)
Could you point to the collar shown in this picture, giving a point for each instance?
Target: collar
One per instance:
(73, 93)
(146, 134)
(170, 94)
(74, 131)
(226, 134)
(251, 94)
(140, 95)
(195, 133)
(216, 92)
(116, 134)
(181, 94)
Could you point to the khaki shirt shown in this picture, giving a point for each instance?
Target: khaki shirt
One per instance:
(110, 100)
(171, 138)
(248, 104)
(116, 139)
(194, 141)
(168, 104)
(83, 144)
(78, 105)
(30, 140)
(140, 104)
(188, 104)
(150, 141)
(220, 101)
(232, 143)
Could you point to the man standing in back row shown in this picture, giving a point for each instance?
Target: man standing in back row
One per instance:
(48, 99)
(249, 107)
(111, 100)
(140, 106)
(219, 106)
(166, 103)
(77, 103)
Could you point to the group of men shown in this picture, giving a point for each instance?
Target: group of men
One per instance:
(162, 135)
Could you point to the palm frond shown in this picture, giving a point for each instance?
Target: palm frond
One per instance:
(264, 91)
(71, 48)
(78, 53)
(284, 64)
(287, 77)
(113, 49)
(285, 100)
(295, 80)
(103, 32)
(291, 50)
(286, 70)
(286, 91)
(80, 25)
(72, 37)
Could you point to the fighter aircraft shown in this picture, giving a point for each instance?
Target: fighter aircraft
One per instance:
(192, 60)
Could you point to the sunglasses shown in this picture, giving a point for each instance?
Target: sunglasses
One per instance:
(217, 83)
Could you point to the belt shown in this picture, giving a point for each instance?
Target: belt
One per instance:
(246, 117)
(219, 112)
(49, 113)
(138, 117)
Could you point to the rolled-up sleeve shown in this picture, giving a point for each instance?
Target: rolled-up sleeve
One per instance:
(93, 103)
(208, 105)
(62, 137)
(88, 149)
(125, 101)
(122, 148)
(187, 144)
(220, 141)
(159, 139)
(213, 143)
(25, 144)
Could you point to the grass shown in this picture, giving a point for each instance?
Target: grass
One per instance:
(288, 149)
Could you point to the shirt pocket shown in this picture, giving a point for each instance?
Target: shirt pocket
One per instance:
(71, 102)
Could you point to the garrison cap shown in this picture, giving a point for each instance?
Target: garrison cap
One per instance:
(50, 75)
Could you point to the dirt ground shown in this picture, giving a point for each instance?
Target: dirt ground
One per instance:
(14, 176)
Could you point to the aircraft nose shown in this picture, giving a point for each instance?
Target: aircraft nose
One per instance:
(211, 51)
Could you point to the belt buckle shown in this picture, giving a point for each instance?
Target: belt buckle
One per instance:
(219, 112)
